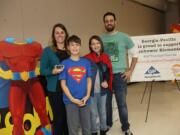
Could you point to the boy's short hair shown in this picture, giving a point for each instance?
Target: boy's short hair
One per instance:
(73, 38)
(109, 14)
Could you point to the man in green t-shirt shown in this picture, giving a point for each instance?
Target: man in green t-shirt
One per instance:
(116, 45)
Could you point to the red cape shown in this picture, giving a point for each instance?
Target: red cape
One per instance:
(104, 58)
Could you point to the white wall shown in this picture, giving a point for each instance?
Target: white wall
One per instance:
(35, 18)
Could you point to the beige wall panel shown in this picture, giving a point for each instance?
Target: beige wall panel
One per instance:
(35, 18)
(10, 19)
(136, 19)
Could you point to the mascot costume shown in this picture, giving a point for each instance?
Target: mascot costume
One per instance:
(4, 88)
(175, 28)
(21, 59)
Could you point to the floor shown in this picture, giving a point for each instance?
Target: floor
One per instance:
(164, 111)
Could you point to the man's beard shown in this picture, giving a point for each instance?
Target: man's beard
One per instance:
(110, 29)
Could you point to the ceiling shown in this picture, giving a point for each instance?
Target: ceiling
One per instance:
(157, 4)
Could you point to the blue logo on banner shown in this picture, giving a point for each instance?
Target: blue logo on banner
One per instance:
(152, 71)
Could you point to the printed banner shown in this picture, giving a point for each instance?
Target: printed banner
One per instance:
(158, 57)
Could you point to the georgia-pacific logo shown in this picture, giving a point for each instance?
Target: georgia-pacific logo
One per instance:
(77, 73)
(152, 71)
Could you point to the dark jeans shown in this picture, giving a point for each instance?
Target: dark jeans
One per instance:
(59, 113)
(120, 91)
(109, 116)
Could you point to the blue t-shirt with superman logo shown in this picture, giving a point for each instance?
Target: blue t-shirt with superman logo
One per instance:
(75, 73)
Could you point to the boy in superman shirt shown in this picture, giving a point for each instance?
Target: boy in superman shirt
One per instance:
(76, 84)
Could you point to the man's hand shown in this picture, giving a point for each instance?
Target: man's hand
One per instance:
(128, 72)
(126, 75)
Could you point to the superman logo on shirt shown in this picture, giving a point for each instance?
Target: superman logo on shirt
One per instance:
(77, 73)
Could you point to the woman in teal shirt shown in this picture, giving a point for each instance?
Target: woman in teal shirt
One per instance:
(51, 58)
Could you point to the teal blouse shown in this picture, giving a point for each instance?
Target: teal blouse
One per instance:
(48, 60)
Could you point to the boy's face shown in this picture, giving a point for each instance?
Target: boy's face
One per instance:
(74, 48)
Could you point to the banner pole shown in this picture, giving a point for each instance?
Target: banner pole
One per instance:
(177, 84)
(144, 92)
(149, 101)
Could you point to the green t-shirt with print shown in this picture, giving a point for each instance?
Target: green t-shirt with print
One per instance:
(116, 47)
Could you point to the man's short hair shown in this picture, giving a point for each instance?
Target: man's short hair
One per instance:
(74, 38)
(109, 14)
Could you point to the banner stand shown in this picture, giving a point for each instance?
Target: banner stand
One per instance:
(149, 100)
(176, 81)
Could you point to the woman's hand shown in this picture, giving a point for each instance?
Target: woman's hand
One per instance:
(104, 84)
(57, 69)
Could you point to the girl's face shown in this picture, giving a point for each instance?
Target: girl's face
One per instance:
(59, 35)
(95, 46)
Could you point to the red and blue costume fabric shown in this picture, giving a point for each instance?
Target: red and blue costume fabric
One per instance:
(21, 59)
(175, 28)
(4, 88)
